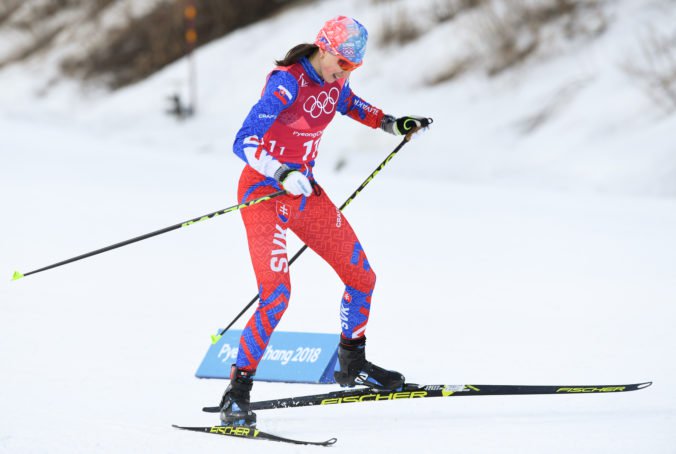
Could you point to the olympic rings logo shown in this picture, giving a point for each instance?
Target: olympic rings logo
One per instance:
(322, 103)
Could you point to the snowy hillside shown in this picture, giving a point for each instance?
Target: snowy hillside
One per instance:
(527, 238)
(570, 116)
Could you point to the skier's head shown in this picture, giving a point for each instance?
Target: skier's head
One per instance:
(344, 38)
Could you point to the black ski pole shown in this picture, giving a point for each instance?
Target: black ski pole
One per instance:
(18, 275)
(216, 337)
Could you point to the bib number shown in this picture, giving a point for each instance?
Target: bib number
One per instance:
(311, 147)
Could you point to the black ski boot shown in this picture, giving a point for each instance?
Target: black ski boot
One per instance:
(235, 409)
(355, 370)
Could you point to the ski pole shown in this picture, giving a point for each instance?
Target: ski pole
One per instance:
(18, 275)
(216, 337)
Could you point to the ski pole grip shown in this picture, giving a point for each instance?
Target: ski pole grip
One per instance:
(410, 134)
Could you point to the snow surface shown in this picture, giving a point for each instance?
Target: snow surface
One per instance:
(501, 257)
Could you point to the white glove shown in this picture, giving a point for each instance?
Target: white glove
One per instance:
(293, 181)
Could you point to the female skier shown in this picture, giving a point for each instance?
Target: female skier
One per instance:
(279, 142)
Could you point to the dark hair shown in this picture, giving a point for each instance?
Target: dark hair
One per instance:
(296, 53)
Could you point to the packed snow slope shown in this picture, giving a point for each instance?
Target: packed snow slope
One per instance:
(502, 257)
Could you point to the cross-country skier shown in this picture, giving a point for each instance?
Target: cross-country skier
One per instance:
(279, 142)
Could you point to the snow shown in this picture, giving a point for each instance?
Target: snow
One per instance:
(502, 257)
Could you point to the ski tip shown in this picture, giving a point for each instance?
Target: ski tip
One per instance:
(17, 276)
(644, 385)
(215, 338)
(331, 441)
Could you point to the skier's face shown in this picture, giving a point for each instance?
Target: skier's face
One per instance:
(333, 67)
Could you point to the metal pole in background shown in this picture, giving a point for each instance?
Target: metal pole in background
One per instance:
(190, 13)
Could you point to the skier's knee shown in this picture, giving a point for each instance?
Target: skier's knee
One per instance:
(364, 281)
(275, 295)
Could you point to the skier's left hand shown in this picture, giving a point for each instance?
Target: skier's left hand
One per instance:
(403, 125)
(293, 181)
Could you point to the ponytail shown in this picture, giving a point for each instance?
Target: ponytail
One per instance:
(297, 53)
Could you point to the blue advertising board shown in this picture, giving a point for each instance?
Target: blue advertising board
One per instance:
(290, 357)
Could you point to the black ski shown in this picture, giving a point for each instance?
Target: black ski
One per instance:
(252, 433)
(413, 391)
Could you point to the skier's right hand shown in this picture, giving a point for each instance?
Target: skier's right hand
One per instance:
(293, 181)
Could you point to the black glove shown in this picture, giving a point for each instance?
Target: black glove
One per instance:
(403, 125)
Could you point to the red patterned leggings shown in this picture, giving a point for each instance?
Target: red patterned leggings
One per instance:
(320, 225)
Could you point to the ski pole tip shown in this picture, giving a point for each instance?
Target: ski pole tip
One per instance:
(215, 338)
(17, 276)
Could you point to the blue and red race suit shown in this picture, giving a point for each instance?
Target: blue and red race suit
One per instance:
(285, 127)
(287, 123)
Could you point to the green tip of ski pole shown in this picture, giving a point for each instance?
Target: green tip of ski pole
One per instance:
(17, 276)
(215, 338)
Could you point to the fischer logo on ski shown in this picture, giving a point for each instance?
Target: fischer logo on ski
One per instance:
(375, 397)
(237, 431)
(606, 389)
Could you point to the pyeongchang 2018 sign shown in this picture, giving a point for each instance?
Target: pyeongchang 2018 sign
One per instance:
(290, 357)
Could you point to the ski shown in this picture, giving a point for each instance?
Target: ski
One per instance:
(252, 433)
(413, 391)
